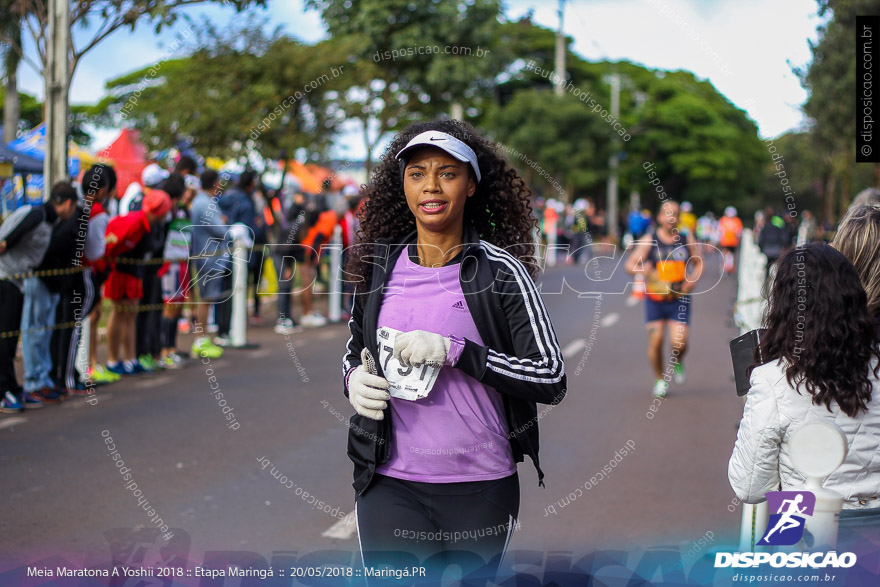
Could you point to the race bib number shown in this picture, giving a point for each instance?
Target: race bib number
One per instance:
(409, 383)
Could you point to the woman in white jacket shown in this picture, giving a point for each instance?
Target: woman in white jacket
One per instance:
(821, 364)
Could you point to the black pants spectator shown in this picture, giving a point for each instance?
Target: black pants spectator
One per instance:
(223, 308)
(11, 304)
(255, 271)
(77, 300)
(148, 339)
(287, 262)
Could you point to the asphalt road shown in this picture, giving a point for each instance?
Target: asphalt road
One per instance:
(64, 497)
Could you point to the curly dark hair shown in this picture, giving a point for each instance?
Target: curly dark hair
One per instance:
(499, 210)
(818, 322)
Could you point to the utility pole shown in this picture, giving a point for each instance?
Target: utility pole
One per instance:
(611, 216)
(57, 84)
(559, 65)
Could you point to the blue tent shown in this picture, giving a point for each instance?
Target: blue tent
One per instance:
(26, 187)
(33, 144)
(21, 163)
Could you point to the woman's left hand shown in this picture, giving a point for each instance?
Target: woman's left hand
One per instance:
(419, 347)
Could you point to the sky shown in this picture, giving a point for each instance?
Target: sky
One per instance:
(745, 48)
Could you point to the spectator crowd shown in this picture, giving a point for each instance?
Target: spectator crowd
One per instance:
(158, 257)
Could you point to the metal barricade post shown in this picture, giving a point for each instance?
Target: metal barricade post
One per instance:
(334, 309)
(238, 327)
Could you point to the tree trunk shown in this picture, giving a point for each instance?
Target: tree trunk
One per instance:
(844, 189)
(368, 158)
(11, 107)
(828, 197)
(456, 111)
(57, 79)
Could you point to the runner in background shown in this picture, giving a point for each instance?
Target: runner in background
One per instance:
(705, 230)
(580, 230)
(638, 221)
(729, 234)
(551, 229)
(664, 256)
(687, 220)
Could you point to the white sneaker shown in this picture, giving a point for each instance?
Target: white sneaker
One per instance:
(678, 374)
(313, 320)
(223, 341)
(660, 388)
(286, 326)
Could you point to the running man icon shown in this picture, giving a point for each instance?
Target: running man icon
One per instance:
(788, 522)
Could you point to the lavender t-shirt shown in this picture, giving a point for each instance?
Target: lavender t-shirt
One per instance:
(459, 432)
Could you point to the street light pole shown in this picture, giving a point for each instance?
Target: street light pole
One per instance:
(611, 216)
(559, 65)
(56, 82)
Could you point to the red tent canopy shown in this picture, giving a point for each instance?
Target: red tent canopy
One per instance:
(129, 158)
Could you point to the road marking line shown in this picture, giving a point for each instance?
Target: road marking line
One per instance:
(343, 529)
(609, 320)
(632, 301)
(10, 422)
(572, 348)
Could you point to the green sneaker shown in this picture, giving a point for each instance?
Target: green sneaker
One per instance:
(203, 347)
(172, 361)
(148, 363)
(678, 375)
(660, 388)
(100, 375)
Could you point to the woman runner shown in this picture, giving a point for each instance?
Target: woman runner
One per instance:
(441, 285)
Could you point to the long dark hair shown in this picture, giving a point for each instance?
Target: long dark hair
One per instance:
(499, 210)
(818, 322)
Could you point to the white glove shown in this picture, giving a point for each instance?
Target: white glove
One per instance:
(419, 347)
(367, 393)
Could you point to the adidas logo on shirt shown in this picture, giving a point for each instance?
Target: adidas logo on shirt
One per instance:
(459, 305)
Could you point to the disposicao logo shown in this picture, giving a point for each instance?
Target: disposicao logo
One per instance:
(786, 528)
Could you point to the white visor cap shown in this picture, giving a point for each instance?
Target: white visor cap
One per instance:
(447, 142)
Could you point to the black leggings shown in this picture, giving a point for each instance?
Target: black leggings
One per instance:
(404, 524)
(148, 324)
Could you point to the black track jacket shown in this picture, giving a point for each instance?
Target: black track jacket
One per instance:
(521, 360)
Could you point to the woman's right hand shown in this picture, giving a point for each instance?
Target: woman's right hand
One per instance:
(367, 393)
